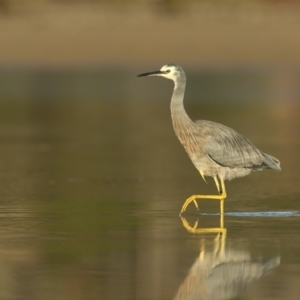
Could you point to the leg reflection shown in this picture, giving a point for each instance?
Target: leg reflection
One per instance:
(221, 230)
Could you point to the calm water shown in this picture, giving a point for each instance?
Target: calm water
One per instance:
(91, 193)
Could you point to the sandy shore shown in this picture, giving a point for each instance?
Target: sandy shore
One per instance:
(201, 36)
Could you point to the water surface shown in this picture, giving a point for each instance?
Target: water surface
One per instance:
(91, 192)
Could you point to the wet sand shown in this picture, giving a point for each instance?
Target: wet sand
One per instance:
(81, 35)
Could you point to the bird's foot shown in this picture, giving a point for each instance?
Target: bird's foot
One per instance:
(193, 198)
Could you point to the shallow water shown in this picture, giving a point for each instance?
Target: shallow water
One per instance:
(91, 193)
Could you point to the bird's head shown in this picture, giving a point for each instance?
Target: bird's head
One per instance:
(169, 71)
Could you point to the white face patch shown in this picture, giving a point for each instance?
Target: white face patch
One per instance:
(170, 72)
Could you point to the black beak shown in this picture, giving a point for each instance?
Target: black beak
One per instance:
(150, 73)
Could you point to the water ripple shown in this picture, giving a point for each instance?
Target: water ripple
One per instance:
(277, 214)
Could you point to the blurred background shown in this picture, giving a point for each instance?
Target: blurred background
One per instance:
(92, 175)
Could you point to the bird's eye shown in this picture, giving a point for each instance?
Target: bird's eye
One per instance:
(168, 71)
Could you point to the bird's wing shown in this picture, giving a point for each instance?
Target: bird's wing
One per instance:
(230, 149)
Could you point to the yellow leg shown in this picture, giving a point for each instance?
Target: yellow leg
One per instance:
(222, 212)
(217, 184)
(220, 197)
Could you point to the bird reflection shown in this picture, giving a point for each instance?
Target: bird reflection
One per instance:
(221, 272)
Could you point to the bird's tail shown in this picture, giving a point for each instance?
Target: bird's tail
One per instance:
(271, 162)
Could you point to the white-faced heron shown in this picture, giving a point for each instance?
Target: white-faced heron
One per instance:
(216, 150)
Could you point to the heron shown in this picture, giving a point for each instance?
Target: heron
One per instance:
(216, 150)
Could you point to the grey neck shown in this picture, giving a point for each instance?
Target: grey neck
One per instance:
(178, 113)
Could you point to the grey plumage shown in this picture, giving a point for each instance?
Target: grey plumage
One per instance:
(216, 150)
(220, 151)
